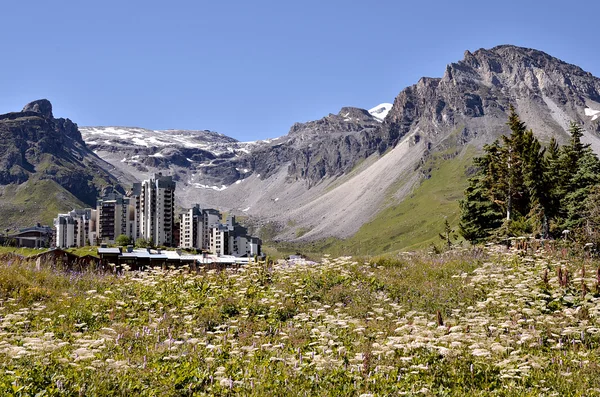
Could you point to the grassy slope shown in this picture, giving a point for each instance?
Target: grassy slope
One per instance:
(413, 223)
(34, 201)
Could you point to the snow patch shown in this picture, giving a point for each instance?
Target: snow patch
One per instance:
(594, 114)
(380, 111)
(201, 186)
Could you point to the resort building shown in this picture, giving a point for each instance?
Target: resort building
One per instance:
(202, 229)
(76, 228)
(157, 201)
(32, 237)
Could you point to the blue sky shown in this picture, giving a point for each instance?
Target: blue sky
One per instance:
(250, 69)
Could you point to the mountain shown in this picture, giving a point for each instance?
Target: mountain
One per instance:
(45, 167)
(373, 180)
(338, 176)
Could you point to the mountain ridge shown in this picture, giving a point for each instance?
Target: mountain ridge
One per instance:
(299, 174)
(329, 177)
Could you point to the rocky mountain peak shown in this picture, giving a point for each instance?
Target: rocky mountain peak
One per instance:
(42, 106)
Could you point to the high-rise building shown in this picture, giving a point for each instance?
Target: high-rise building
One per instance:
(157, 200)
(191, 228)
(202, 229)
(116, 217)
(76, 228)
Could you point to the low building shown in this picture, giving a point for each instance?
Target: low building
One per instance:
(32, 237)
(145, 258)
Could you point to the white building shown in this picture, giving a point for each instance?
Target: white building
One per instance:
(202, 229)
(195, 227)
(219, 240)
(191, 228)
(76, 228)
(245, 246)
(65, 230)
(157, 200)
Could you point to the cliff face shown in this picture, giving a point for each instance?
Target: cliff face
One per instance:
(37, 146)
(475, 93)
(473, 96)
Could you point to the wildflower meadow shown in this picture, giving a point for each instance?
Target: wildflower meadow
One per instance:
(484, 321)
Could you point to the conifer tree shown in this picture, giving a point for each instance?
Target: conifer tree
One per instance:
(510, 181)
(535, 176)
(481, 212)
(579, 172)
(512, 150)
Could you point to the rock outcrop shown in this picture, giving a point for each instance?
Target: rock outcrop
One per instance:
(37, 145)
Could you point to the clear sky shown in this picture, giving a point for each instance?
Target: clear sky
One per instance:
(250, 69)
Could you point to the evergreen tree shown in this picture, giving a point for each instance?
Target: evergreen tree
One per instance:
(479, 216)
(553, 181)
(538, 184)
(579, 171)
(511, 181)
(522, 188)
(512, 159)
(481, 212)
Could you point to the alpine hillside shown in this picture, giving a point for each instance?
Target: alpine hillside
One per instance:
(330, 177)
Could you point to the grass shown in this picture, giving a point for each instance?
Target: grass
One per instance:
(466, 322)
(83, 251)
(32, 202)
(20, 250)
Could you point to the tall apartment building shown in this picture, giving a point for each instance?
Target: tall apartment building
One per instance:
(135, 229)
(195, 227)
(113, 217)
(202, 229)
(190, 228)
(157, 201)
(76, 228)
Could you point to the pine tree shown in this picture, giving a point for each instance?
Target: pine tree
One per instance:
(481, 211)
(479, 215)
(538, 184)
(580, 169)
(510, 181)
(512, 152)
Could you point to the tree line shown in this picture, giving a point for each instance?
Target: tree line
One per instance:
(521, 188)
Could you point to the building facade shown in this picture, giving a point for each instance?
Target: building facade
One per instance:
(157, 209)
(202, 229)
(76, 228)
(118, 215)
(191, 228)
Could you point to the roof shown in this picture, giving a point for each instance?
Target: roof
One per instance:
(142, 254)
(109, 251)
(173, 256)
